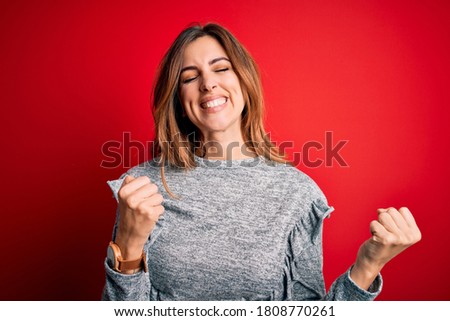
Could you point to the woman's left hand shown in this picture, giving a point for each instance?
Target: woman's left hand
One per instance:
(393, 232)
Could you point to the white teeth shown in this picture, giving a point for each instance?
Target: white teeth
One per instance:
(215, 102)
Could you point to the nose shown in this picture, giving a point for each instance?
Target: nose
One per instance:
(208, 83)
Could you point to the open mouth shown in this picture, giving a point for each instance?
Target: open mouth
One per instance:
(214, 103)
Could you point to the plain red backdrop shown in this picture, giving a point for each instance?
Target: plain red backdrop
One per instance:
(76, 74)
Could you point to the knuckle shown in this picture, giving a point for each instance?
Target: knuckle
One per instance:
(155, 212)
(390, 240)
(386, 240)
(147, 214)
(383, 216)
(414, 236)
(153, 189)
(122, 193)
(418, 235)
(152, 214)
(396, 241)
(142, 208)
(131, 201)
(159, 198)
(407, 239)
(404, 240)
(390, 209)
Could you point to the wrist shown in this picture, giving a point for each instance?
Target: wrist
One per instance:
(364, 273)
(368, 267)
(129, 251)
(126, 266)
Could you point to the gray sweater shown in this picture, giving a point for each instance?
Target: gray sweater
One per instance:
(241, 230)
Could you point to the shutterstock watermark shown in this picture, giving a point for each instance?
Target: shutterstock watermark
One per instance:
(311, 154)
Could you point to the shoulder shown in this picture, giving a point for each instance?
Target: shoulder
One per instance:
(303, 189)
(298, 180)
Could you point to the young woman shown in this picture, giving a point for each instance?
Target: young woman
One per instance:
(219, 214)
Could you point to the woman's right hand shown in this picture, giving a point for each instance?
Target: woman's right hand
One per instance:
(140, 208)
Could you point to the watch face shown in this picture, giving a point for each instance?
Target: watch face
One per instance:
(110, 257)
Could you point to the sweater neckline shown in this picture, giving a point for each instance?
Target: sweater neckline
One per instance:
(229, 163)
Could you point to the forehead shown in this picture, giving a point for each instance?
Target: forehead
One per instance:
(202, 50)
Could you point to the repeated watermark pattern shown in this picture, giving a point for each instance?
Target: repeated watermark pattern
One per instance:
(312, 154)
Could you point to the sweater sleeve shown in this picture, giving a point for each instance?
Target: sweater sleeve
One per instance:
(120, 287)
(304, 261)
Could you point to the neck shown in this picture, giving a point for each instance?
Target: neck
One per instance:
(223, 146)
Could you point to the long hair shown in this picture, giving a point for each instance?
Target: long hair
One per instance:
(176, 135)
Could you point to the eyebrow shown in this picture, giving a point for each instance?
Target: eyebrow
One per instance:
(212, 62)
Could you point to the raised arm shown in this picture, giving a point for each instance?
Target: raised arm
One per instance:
(139, 209)
(393, 232)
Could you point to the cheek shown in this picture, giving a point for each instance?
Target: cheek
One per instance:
(238, 94)
(186, 98)
(187, 95)
(234, 87)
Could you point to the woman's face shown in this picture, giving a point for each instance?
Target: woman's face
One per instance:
(210, 91)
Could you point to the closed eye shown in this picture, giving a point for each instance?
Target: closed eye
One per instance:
(188, 80)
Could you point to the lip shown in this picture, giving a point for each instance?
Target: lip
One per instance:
(216, 109)
(209, 98)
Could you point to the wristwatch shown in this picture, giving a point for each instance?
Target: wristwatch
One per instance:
(115, 261)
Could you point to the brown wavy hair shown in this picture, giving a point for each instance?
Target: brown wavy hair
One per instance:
(175, 134)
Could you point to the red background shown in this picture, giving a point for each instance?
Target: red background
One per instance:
(77, 74)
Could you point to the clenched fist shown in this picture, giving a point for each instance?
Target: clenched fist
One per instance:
(393, 232)
(140, 208)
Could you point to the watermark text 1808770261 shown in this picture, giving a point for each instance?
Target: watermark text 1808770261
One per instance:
(312, 153)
